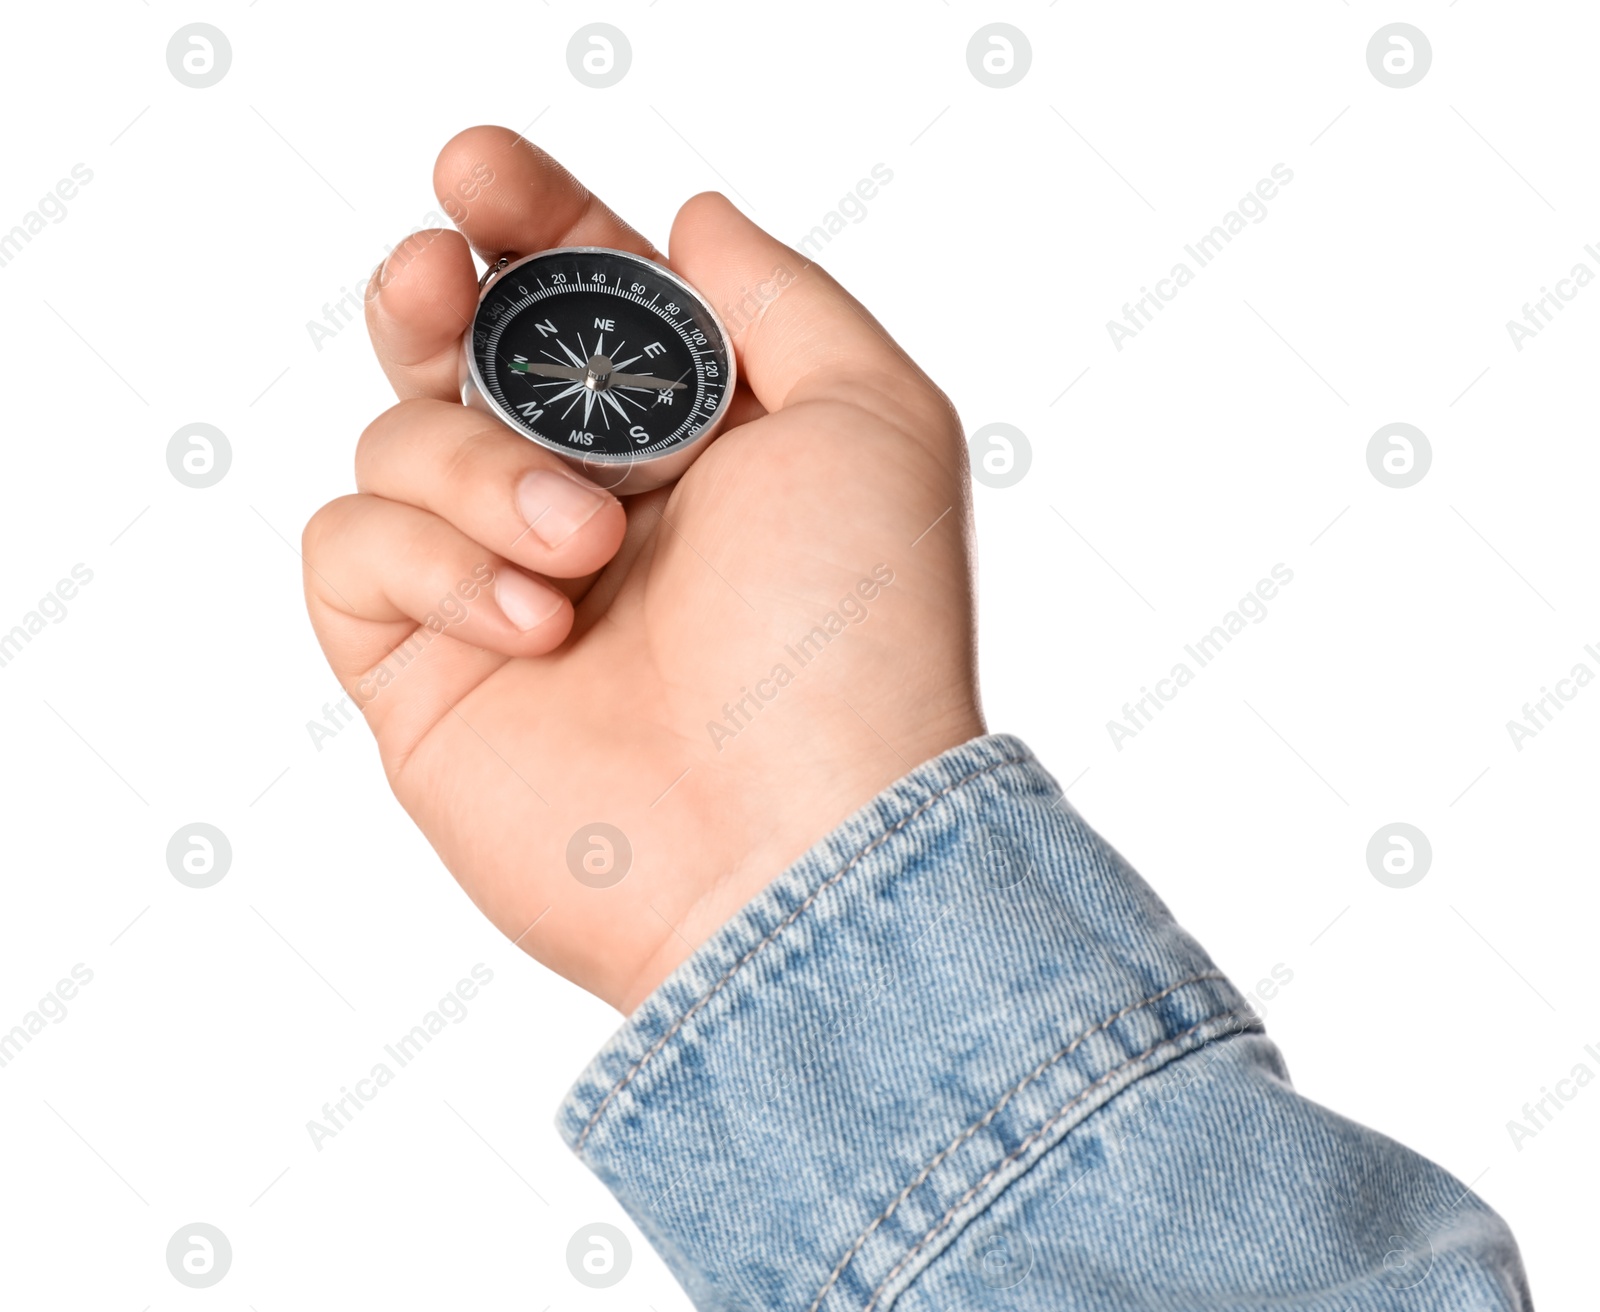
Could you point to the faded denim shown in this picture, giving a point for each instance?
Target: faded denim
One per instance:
(959, 1056)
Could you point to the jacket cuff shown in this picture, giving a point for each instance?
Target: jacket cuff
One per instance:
(814, 1105)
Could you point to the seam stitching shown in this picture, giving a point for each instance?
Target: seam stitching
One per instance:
(994, 1111)
(1032, 1139)
(779, 929)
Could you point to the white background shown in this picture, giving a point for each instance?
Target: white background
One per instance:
(1229, 436)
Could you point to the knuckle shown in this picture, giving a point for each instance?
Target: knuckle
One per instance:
(324, 527)
(378, 439)
(472, 456)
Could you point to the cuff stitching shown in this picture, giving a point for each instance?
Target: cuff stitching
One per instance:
(779, 928)
(994, 1111)
(1252, 1022)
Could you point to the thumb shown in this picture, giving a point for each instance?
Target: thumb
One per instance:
(798, 334)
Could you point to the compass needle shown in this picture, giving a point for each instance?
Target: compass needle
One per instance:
(643, 382)
(559, 371)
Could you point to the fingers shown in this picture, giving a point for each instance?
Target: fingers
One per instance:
(390, 567)
(522, 200)
(419, 303)
(799, 334)
(493, 486)
(506, 196)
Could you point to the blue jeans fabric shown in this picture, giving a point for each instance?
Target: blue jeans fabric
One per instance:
(959, 1056)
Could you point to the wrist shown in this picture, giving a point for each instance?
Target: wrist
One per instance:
(824, 780)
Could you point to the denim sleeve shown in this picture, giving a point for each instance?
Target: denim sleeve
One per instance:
(959, 1056)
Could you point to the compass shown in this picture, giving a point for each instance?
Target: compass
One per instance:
(605, 358)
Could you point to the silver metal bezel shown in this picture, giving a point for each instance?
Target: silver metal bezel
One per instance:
(621, 474)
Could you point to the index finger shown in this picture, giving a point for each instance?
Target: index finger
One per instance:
(522, 199)
(506, 196)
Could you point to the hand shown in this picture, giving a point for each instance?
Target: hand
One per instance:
(586, 677)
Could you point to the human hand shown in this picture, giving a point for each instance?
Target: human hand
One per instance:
(601, 645)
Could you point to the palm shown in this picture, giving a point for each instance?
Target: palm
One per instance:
(507, 755)
(615, 727)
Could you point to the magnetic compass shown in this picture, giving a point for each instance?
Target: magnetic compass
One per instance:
(606, 358)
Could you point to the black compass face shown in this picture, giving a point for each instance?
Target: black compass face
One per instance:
(600, 354)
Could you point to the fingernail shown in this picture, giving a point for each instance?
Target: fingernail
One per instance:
(525, 603)
(555, 506)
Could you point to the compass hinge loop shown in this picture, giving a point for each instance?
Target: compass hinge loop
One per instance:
(493, 271)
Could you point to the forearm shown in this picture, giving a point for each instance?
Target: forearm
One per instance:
(959, 1047)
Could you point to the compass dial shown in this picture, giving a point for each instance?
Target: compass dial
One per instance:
(602, 356)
